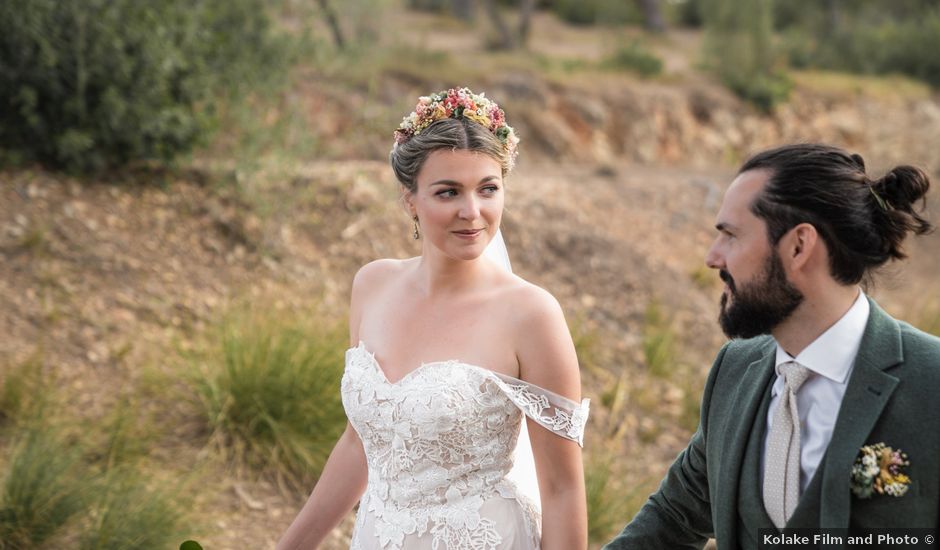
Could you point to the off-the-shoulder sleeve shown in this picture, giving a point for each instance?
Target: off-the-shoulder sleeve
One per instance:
(558, 414)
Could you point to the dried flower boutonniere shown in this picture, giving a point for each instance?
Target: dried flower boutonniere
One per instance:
(878, 470)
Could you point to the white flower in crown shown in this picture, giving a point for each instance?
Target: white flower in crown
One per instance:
(460, 103)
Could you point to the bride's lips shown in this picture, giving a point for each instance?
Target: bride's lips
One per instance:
(469, 234)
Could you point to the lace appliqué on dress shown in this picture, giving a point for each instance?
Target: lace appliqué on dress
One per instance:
(568, 418)
(438, 444)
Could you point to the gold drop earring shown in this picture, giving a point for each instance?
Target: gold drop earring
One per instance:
(416, 234)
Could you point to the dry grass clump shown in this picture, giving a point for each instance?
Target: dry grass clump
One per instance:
(269, 388)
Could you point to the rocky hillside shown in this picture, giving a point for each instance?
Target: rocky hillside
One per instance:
(610, 209)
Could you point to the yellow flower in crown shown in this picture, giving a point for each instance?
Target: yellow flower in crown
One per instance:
(459, 103)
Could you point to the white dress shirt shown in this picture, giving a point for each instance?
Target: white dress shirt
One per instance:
(830, 357)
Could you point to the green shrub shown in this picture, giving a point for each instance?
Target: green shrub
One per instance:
(55, 489)
(271, 394)
(578, 12)
(90, 84)
(741, 50)
(41, 490)
(21, 395)
(659, 342)
(691, 404)
(436, 6)
(610, 505)
(587, 343)
(688, 13)
(634, 57)
(911, 48)
(764, 91)
(128, 514)
(868, 41)
(590, 12)
(927, 318)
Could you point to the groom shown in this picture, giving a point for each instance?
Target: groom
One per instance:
(816, 376)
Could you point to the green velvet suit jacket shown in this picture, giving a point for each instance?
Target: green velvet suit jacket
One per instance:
(893, 396)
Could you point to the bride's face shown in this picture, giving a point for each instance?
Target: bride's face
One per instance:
(458, 201)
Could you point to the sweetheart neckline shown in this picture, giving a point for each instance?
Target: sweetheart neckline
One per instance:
(511, 385)
(378, 367)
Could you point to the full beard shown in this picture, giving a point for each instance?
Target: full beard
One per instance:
(761, 305)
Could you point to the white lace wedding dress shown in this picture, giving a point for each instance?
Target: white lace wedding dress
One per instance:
(439, 444)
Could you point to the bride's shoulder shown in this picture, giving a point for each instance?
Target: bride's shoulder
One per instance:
(542, 341)
(377, 273)
(530, 300)
(367, 287)
(382, 268)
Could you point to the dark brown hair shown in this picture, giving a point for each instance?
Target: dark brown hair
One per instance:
(862, 221)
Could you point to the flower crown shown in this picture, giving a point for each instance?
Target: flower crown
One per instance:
(459, 103)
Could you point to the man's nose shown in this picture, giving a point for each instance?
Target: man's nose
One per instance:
(713, 258)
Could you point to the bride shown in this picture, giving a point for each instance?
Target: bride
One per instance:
(450, 351)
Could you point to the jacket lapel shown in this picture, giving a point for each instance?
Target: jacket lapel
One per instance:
(868, 390)
(747, 399)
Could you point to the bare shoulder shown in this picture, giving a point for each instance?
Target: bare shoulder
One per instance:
(530, 302)
(367, 284)
(374, 274)
(543, 342)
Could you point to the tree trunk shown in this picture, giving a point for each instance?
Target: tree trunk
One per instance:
(333, 21)
(652, 15)
(463, 9)
(526, 7)
(832, 16)
(504, 37)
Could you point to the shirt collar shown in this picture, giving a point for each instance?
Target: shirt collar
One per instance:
(833, 353)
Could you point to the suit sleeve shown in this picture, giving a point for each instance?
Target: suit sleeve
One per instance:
(678, 514)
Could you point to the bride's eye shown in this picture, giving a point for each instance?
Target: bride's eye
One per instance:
(446, 193)
(490, 189)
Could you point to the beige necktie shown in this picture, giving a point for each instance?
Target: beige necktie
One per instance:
(782, 463)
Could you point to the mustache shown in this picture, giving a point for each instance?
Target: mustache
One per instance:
(726, 277)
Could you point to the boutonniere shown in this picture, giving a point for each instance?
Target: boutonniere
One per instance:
(878, 470)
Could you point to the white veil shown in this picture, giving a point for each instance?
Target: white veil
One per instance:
(523, 469)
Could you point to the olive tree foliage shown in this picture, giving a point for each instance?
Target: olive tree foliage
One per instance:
(93, 84)
(652, 15)
(355, 25)
(505, 36)
(740, 46)
(863, 36)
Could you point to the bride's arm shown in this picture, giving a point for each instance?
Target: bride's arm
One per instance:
(341, 484)
(547, 359)
(344, 476)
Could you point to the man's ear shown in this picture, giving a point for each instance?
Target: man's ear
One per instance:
(799, 245)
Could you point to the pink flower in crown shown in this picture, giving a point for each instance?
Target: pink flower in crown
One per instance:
(401, 137)
(424, 105)
(497, 117)
(452, 100)
(459, 103)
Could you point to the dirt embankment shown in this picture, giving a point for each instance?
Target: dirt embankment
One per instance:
(610, 209)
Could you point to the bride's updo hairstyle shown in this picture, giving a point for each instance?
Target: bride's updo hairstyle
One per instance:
(454, 119)
(863, 221)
